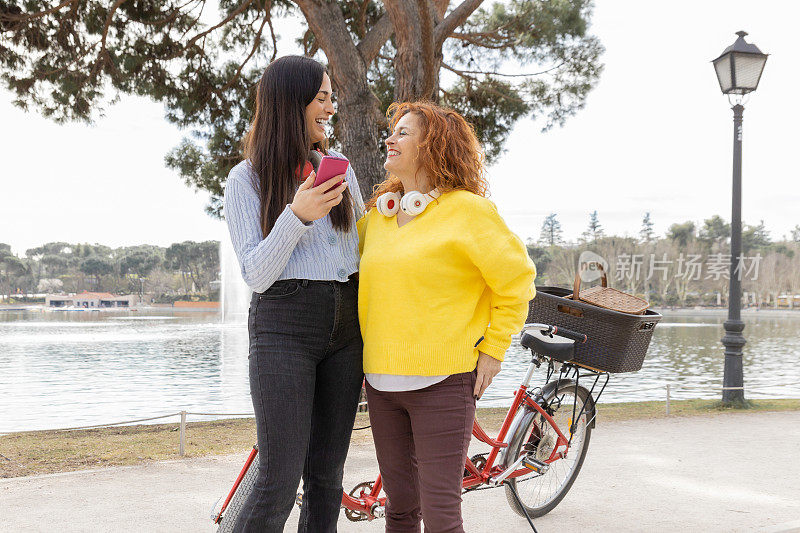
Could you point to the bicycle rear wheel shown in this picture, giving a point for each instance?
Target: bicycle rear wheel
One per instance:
(239, 497)
(540, 494)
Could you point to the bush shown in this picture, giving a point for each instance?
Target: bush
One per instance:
(26, 300)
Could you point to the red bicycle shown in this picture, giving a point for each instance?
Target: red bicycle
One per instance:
(536, 455)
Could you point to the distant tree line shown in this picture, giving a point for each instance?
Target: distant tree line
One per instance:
(184, 269)
(687, 266)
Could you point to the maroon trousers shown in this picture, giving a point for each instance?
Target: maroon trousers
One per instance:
(421, 440)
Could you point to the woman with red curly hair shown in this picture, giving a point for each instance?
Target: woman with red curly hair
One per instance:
(443, 286)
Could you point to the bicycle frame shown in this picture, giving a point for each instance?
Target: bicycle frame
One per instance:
(495, 474)
(369, 505)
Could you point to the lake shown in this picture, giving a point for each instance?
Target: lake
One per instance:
(63, 369)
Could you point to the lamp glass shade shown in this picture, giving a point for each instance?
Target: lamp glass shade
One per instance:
(723, 67)
(747, 68)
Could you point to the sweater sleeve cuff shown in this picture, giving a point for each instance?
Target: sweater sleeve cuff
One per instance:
(290, 227)
(288, 213)
(492, 350)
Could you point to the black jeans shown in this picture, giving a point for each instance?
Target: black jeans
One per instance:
(305, 378)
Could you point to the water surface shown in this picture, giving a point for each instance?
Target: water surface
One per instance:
(64, 369)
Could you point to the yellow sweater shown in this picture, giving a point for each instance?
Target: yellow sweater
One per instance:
(450, 283)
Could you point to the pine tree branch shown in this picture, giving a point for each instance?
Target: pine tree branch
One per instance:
(39, 74)
(462, 73)
(456, 18)
(441, 9)
(495, 34)
(102, 55)
(326, 21)
(465, 75)
(274, 37)
(376, 37)
(256, 42)
(362, 18)
(470, 38)
(196, 20)
(235, 13)
(311, 50)
(19, 17)
(491, 73)
(169, 18)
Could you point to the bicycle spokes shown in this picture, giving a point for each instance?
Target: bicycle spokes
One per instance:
(536, 436)
(552, 452)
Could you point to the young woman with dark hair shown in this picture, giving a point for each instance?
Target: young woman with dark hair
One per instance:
(297, 246)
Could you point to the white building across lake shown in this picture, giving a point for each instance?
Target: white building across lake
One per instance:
(89, 300)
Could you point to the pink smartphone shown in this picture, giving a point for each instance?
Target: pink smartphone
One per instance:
(329, 167)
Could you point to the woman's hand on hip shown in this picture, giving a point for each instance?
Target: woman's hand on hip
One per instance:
(488, 368)
(312, 203)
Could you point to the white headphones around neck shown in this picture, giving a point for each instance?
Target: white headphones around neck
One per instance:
(412, 203)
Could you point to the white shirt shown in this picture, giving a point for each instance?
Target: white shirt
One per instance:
(395, 383)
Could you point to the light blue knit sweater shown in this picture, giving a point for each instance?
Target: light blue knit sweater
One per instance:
(292, 250)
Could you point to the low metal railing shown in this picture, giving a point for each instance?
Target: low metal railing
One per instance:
(669, 389)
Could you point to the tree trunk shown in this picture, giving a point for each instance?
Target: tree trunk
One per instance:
(361, 134)
(361, 123)
(421, 32)
(416, 62)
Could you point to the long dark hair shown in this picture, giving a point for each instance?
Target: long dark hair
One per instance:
(278, 142)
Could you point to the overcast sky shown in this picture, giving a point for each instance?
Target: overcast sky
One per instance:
(655, 136)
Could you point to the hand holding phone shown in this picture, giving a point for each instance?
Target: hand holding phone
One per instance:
(311, 202)
(330, 167)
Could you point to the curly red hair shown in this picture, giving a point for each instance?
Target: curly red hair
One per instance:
(450, 152)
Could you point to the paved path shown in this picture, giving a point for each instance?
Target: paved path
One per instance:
(730, 472)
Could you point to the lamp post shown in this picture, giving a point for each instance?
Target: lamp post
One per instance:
(738, 70)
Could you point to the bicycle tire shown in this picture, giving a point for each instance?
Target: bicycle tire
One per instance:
(239, 497)
(583, 429)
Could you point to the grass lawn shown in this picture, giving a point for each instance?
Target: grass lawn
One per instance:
(45, 452)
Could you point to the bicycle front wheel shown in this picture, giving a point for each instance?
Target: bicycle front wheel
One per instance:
(540, 494)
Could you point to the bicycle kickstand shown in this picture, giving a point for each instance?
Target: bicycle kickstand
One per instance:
(519, 502)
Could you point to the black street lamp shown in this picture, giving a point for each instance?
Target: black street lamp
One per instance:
(738, 70)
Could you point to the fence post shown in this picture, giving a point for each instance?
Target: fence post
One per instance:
(667, 398)
(182, 441)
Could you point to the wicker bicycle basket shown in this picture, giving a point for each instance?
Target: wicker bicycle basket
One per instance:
(617, 342)
(605, 296)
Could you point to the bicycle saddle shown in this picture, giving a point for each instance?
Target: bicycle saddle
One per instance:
(552, 346)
